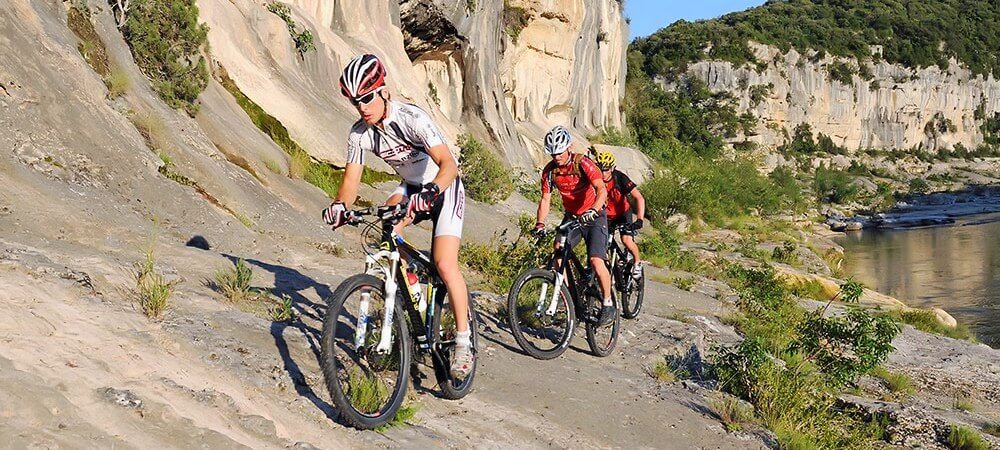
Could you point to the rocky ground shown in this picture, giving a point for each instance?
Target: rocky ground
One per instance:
(81, 368)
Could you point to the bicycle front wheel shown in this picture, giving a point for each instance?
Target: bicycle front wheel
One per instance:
(540, 318)
(367, 385)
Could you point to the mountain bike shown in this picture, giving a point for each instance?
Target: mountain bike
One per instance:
(376, 320)
(544, 303)
(629, 289)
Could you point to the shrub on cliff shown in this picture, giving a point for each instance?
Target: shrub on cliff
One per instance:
(486, 178)
(167, 42)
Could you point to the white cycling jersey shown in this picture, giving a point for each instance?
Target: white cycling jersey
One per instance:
(408, 133)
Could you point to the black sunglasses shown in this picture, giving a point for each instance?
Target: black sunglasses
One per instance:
(365, 99)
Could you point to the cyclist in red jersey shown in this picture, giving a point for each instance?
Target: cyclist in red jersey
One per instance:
(584, 195)
(620, 188)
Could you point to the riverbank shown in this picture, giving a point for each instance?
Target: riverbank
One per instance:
(935, 209)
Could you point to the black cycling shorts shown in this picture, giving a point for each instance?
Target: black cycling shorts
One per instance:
(623, 223)
(595, 235)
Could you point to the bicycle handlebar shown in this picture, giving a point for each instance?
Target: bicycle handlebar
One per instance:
(385, 213)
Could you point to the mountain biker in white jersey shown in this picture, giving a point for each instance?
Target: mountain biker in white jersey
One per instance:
(406, 138)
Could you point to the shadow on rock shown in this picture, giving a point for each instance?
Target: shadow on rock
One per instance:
(290, 282)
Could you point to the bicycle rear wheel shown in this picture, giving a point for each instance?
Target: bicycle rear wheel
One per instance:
(541, 327)
(602, 339)
(630, 289)
(366, 385)
(444, 323)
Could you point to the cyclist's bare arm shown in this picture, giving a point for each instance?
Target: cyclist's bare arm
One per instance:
(543, 207)
(602, 193)
(348, 191)
(640, 203)
(447, 167)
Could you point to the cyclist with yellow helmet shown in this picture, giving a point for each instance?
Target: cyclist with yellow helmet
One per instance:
(620, 187)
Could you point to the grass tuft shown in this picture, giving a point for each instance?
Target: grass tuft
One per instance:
(152, 291)
(733, 413)
(964, 438)
(684, 283)
(234, 283)
(281, 309)
(962, 402)
(117, 82)
(898, 383)
(927, 321)
(273, 166)
(661, 372)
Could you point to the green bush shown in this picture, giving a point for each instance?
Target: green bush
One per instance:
(167, 42)
(781, 368)
(785, 253)
(847, 345)
(303, 39)
(842, 72)
(713, 191)
(620, 137)
(919, 186)
(486, 178)
(501, 260)
(834, 185)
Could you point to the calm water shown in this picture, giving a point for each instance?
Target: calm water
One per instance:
(955, 268)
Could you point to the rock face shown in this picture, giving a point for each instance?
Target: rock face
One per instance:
(898, 108)
(451, 57)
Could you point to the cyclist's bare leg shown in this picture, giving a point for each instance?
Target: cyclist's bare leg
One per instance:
(603, 276)
(629, 242)
(445, 253)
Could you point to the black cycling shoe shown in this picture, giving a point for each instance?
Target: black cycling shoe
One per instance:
(608, 313)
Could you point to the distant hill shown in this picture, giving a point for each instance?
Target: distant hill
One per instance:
(911, 33)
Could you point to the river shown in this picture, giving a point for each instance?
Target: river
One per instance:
(955, 268)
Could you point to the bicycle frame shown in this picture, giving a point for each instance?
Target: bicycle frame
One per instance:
(387, 264)
(566, 266)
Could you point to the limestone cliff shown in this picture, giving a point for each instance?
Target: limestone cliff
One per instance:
(897, 108)
(454, 58)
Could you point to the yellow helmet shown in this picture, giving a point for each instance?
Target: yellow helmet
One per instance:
(605, 160)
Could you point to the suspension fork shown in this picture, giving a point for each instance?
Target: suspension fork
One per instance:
(385, 339)
(560, 278)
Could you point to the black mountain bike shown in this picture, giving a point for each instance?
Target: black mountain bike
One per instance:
(544, 304)
(628, 288)
(377, 319)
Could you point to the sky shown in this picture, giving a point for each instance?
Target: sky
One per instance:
(650, 15)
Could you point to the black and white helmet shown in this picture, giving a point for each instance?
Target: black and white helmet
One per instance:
(557, 140)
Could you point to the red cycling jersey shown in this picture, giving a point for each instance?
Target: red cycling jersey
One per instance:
(573, 182)
(619, 187)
